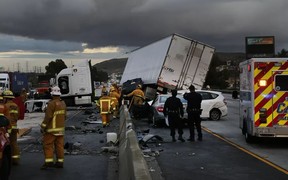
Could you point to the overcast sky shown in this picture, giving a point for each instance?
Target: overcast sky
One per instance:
(33, 32)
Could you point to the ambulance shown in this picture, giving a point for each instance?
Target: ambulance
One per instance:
(264, 98)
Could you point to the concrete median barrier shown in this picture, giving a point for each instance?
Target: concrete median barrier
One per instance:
(132, 164)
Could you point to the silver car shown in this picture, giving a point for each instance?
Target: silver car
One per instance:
(158, 106)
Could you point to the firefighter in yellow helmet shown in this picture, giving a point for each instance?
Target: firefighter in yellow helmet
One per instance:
(104, 104)
(115, 96)
(53, 127)
(138, 98)
(11, 112)
(138, 95)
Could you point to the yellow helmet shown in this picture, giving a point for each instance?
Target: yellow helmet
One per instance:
(112, 88)
(8, 94)
(139, 86)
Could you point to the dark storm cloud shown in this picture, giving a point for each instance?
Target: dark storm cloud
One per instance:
(220, 23)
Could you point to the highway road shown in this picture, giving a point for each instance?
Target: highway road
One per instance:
(223, 153)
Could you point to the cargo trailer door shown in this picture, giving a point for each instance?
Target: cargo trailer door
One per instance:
(196, 66)
(174, 62)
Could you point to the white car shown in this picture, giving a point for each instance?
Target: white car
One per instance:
(36, 105)
(213, 105)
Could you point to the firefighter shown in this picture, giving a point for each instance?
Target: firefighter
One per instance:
(53, 127)
(20, 100)
(194, 110)
(104, 104)
(138, 95)
(11, 112)
(173, 108)
(137, 98)
(115, 96)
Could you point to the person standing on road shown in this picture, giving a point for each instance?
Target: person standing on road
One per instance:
(104, 104)
(115, 96)
(11, 112)
(20, 101)
(173, 108)
(53, 127)
(194, 100)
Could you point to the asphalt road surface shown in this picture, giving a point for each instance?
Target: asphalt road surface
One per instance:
(223, 153)
(84, 157)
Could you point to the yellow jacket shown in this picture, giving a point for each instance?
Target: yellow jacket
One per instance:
(11, 112)
(55, 116)
(138, 96)
(105, 104)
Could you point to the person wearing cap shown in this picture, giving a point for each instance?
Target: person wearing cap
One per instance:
(11, 112)
(194, 110)
(53, 127)
(173, 108)
(105, 103)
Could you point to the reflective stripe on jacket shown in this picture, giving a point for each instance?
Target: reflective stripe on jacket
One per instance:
(55, 115)
(105, 104)
(11, 112)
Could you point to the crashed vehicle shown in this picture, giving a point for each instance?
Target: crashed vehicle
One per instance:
(37, 105)
(5, 149)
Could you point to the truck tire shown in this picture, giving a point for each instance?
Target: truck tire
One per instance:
(248, 138)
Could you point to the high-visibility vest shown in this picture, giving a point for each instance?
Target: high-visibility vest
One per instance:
(105, 104)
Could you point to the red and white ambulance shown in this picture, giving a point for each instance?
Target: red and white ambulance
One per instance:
(264, 97)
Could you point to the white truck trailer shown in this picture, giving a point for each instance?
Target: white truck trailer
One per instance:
(174, 62)
(264, 98)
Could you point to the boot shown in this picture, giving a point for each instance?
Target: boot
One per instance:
(180, 138)
(47, 165)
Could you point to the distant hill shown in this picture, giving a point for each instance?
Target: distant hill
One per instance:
(118, 65)
(112, 65)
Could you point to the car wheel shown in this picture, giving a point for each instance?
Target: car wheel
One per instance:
(5, 167)
(215, 114)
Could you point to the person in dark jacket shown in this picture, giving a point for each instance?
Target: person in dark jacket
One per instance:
(173, 108)
(194, 110)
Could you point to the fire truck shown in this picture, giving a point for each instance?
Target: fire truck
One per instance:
(264, 98)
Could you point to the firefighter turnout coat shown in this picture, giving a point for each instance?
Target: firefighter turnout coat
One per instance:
(138, 96)
(11, 112)
(53, 127)
(105, 103)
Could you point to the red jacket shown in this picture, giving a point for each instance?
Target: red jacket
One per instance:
(18, 100)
